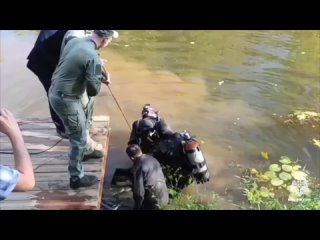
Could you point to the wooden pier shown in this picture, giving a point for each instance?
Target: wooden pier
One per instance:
(52, 190)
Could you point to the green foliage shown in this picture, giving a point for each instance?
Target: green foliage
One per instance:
(175, 178)
(283, 183)
(306, 203)
(316, 142)
(285, 176)
(180, 200)
(183, 201)
(309, 203)
(307, 119)
(274, 168)
(300, 117)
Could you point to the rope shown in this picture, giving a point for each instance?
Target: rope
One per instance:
(120, 108)
(35, 153)
(115, 99)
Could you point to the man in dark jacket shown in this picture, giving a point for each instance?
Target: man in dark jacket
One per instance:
(42, 61)
(149, 185)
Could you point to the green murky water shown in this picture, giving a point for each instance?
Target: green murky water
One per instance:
(226, 87)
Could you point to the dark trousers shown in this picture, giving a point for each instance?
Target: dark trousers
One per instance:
(42, 61)
(150, 204)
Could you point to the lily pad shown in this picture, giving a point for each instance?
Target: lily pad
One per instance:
(286, 168)
(285, 160)
(296, 167)
(285, 176)
(270, 174)
(299, 175)
(276, 182)
(274, 168)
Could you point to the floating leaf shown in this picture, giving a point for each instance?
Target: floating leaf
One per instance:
(285, 160)
(264, 192)
(296, 167)
(274, 168)
(254, 171)
(286, 168)
(264, 178)
(285, 176)
(299, 175)
(276, 182)
(265, 155)
(316, 142)
(270, 174)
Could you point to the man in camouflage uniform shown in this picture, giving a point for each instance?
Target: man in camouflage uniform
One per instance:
(79, 70)
(93, 149)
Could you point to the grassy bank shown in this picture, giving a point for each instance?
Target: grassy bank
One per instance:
(183, 201)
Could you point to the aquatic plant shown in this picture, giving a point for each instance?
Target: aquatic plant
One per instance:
(316, 142)
(282, 183)
(182, 201)
(299, 117)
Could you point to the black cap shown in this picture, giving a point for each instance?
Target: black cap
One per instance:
(106, 33)
(145, 125)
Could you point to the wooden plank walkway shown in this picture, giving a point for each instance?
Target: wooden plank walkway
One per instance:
(52, 190)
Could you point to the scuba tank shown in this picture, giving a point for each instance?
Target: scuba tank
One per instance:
(195, 158)
(182, 161)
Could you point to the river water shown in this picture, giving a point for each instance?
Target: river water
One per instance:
(226, 87)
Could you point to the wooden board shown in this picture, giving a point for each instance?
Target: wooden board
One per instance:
(52, 190)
